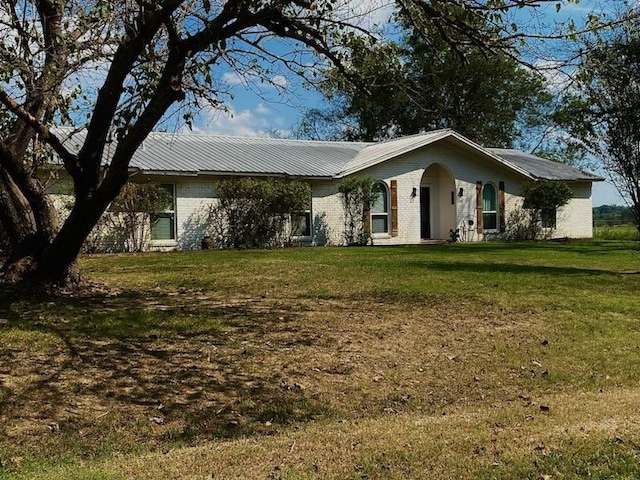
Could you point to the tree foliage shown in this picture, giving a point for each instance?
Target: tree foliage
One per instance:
(612, 215)
(458, 22)
(421, 84)
(604, 110)
(543, 195)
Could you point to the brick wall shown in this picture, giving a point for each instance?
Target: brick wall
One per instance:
(457, 169)
(194, 198)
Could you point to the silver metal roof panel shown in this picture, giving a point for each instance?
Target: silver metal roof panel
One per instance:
(193, 154)
(246, 155)
(541, 168)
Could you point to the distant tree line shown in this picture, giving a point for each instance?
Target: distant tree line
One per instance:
(612, 215)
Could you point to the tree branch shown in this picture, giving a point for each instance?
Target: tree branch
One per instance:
(69, 160)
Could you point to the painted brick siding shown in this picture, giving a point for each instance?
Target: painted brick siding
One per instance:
(574, 220)
(327, 213)
(445, 167)
(194, 198)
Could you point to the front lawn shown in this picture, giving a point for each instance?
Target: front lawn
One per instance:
(455, 361)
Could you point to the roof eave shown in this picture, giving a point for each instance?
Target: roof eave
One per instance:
(165, 173)
(576, 179)
(216, 173)
(436, 138)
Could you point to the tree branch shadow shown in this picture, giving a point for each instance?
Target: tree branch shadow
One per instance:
(165, 366)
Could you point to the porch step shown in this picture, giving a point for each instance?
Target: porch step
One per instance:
(433, 241)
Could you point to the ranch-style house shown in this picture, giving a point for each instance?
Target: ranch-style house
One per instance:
(430, 184)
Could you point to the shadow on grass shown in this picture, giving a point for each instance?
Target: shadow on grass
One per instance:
(509, 268)
(167, 368)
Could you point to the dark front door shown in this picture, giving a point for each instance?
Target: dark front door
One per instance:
(425, 212)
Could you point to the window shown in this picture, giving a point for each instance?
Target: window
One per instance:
(163, 222)
(301, 224)
(301, 220)
(489, 207)
(548, 217)
(380, 209)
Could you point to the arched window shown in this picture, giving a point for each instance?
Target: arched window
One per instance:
(489, 207)
(380, 209)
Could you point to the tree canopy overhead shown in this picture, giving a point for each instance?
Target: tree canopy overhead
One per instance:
(602, 111)
(115, 69)
(150, 56)
(420, 84)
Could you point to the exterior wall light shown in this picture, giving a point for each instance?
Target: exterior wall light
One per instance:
(461, 192)
(414, 192)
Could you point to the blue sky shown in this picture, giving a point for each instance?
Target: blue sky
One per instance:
(275, 108)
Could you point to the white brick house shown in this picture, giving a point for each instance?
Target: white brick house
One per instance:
(432, 183)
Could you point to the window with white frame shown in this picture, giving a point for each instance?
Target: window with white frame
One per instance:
(301, 225)
(380, 209)
(489, 207)
(163, 222)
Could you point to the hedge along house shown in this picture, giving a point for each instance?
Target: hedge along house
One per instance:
(430, 184)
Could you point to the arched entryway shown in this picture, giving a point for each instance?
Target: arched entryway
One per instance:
(437, 203)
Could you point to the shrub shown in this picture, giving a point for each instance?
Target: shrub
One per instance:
(358, 196)
(258, 213)
(126, 225)
(537, 217)
(520, 228)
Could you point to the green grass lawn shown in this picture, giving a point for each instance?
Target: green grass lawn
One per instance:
(455, 361)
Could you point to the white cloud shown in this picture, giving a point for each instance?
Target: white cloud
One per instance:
(261, 109)
(234, 78)
(280, 81)
(366, 14)
(252, 80)
(257, 122)
(556, 73)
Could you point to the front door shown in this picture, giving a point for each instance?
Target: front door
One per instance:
(425, 212)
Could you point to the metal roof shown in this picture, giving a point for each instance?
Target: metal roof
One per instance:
(193, 154)
(541, 168)
(376, 153)
(250, 155)
(383, 151)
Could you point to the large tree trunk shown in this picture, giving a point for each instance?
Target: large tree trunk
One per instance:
(59, 257)
(44, 255)
(30, 224)
(28, 243)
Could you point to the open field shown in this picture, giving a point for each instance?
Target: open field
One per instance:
(626, 231)
(455, 361)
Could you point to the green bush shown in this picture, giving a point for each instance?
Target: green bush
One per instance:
(258, 213)
(358, 196)
(536, 219)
